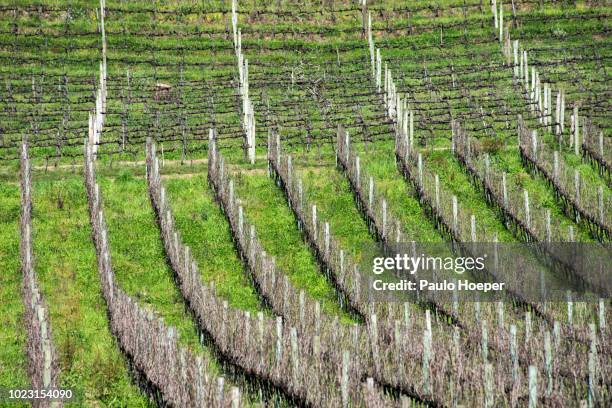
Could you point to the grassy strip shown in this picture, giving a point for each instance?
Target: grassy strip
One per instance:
(455, 180)
(330, 191)
(378, 162)
(589, 175)
(540, 193)
(138, 255)
(91, 363)
(139, 260)
(204, 228)
(265, 207)
(13, 361)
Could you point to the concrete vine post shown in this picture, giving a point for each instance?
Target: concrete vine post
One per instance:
(533, 386)
(548, 363)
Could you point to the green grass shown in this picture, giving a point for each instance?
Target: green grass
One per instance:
(13, 358)
(379, 163)
(265, 207)
(137, 253)
(589, 175)
(90, 361)
(541, 194)
(330, 191)
(455, 180)
(204, 228)
(139, 262)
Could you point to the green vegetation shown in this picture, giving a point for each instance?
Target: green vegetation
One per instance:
(378, 162)
(90, 361)
(13, 358)
(540, 193)
(309, 70)
(265, 207)
(454, 179)
(330, 191)
(137, 253)
(204, 228)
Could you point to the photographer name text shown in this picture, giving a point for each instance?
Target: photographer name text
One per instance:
(444, 285)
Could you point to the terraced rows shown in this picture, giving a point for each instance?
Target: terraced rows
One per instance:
(173, 76)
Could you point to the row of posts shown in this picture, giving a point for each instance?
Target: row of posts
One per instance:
(540, 95)
(125, 313)
(96, 120)
(248, 115)
(42, 365)
(537, 149)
